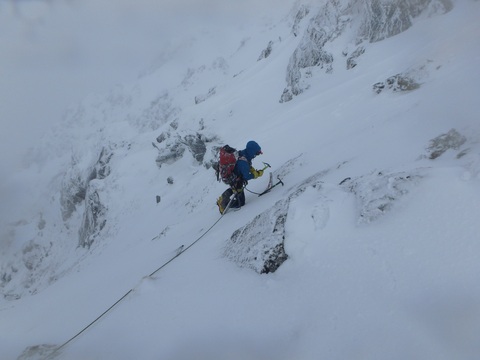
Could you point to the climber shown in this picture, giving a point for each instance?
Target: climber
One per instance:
(243, 171)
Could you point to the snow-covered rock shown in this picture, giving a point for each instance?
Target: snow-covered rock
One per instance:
(259, 245)
(358, 20)
(452, 140)
(378, 193)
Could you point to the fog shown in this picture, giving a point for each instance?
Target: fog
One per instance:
(54, 53)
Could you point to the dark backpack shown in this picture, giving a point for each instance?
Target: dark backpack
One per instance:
(228, 157)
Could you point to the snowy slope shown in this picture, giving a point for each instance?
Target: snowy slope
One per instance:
(379, 209)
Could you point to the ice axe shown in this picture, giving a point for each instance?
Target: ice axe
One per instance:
(267, 165)
(271, 187)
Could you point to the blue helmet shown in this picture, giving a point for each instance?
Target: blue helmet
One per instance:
(253, 149)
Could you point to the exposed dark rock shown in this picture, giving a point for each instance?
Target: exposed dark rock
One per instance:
(451, 140)
(266, 52)
(27, 265)
(94, 218)
(101, 169)
(174, 124)
(277, 255)
(379, 87)
(463, 153)
(196, 145)
(351, 60)
(201, 98)
(6, 276)
(371, 21)
(43, 351)
(310, 52)
(286, 96)
(171, 153)
(259, 245)
(73, 191)
(80, 189)
(384, 19)
(72, 196)
(396, 83)
(175, 148)
(41, 222)
(33, 255)
(162, 137)
(75, 183)
(299, 16)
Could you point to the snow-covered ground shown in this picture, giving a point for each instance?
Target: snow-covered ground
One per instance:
(378, 215)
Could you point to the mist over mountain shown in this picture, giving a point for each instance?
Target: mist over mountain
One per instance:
(366, 111)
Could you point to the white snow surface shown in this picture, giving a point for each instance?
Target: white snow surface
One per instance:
(383, 266)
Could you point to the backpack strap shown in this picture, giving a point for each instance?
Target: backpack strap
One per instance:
(241, 157)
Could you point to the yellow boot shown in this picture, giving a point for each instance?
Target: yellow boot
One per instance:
(220, 206)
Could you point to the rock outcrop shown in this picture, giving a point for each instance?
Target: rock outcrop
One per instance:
(368, 20)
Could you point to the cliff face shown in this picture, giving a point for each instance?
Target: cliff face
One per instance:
(361, 20)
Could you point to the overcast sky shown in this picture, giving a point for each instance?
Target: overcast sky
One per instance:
(53, 53)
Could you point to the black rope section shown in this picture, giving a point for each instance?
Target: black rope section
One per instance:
(188, 247)
(252, 192)
(86, 327)
(56, 350)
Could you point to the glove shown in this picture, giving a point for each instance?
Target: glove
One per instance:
(256, 173)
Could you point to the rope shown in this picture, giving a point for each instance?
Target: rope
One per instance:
(188, 247)
(50, 356)
(252, 192)
(86, 327)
